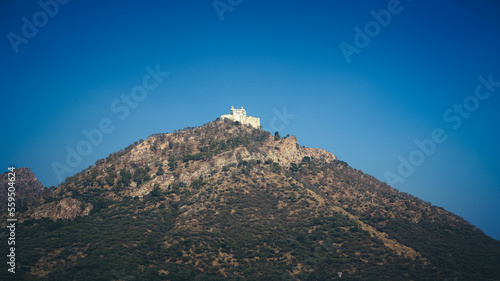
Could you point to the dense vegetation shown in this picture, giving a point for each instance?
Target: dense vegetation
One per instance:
(245, 216)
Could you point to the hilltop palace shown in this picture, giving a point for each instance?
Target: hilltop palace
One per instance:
(240, 115)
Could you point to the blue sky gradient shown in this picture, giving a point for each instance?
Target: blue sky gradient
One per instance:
(274, 59)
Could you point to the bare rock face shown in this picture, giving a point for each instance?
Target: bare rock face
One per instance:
(28, 188)
(288, 151)
(284, 152)
(67, 208)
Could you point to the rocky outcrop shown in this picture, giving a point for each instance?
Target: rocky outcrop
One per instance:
(27, 188)
(67, 208)
(283, 151)
(287, 151)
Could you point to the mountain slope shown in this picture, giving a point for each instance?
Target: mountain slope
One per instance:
(227, 201)
(28, 188)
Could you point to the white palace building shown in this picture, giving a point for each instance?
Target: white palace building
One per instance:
(240, 115)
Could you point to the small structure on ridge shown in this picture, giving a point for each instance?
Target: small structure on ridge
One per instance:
(240, 115)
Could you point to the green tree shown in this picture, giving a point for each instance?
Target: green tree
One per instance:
(125, 177)
(277, 136)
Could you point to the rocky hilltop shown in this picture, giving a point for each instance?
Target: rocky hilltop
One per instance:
(227, 201)
(31, 202)
(28, 188)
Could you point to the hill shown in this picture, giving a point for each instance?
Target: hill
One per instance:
(29, 189)
(226, 201)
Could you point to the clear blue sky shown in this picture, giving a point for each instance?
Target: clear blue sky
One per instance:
(69, 74)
